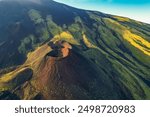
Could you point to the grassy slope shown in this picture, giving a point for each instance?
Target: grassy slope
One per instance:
(118, 47)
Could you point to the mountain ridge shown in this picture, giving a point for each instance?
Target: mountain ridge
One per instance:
(100, 56)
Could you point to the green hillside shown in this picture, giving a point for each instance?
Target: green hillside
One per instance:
(110, 54)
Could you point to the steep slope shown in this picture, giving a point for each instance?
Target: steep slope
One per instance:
(53, 51)
(59, 72)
